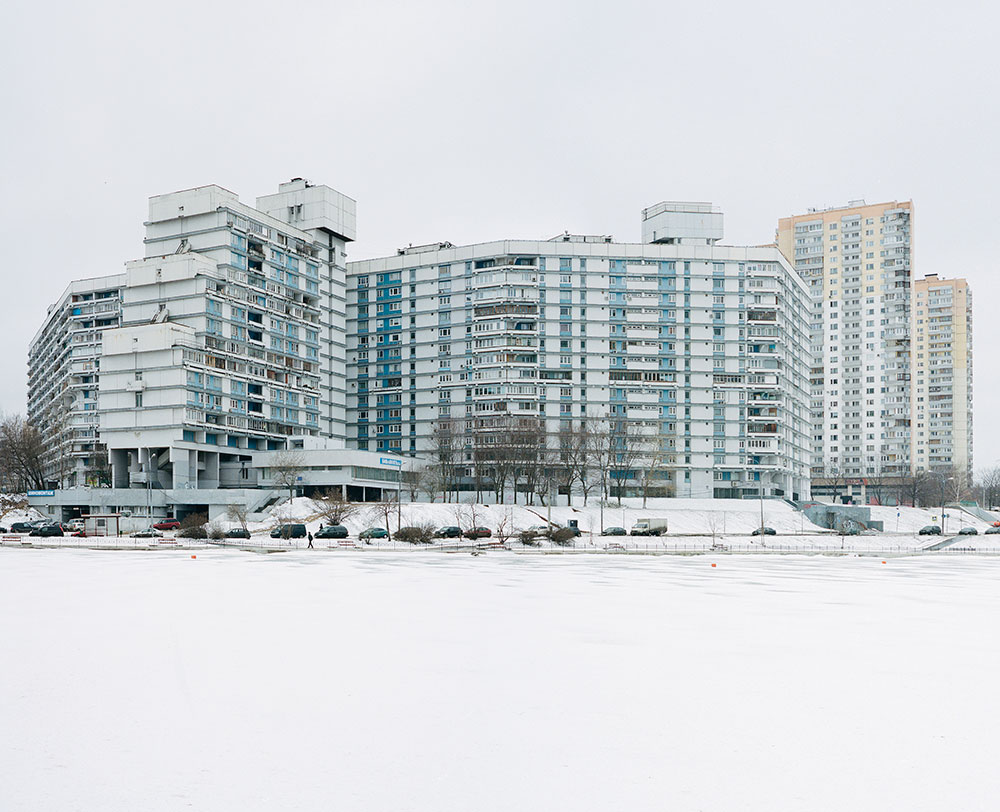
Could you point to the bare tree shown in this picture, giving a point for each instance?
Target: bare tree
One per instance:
(914, 488)
(875, 477)
(504, 528)
(528, 443)
(989, 483)
(413, 479)
(383, 511)
(237, 512)
(286, 468)
(960, 483)
(628, 446)
(713, 518)
(549, 475)
(331, 504)
(837, 477)
(574, 459)
(658, 458)
(98, 471)
(599, 452)
(21, 454)
(446, 451)
(433, 484)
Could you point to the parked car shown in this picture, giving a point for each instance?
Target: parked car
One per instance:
(538, 529)
(968, 531)
(47, 530)
(238, 533)
(74, 524)
(990, 531)
(764, 531)
(332, 531)
(374, 533)
(449, 532)
(614, 531)
(478, 533)
(147, 533)
(930, 530)
(289, 531)
(22, 527)
(167, 524)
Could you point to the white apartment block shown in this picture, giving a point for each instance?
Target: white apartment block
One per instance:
(703, 346)
(232, 337)
(857, 263)
(64, 360)
(942, 376)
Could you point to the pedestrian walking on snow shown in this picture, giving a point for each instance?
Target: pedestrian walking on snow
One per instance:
(310, 537)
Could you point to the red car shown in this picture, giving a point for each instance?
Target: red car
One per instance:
(167, 524)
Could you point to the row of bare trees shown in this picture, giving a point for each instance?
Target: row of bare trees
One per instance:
(518, 455)
(883, 485)
(21, 455)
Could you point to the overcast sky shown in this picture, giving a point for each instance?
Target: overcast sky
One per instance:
(468, 121)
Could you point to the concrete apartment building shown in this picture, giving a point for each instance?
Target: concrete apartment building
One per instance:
(941, 392)
(227, 347)
(701, 345)
(64, 360)
(857, 263)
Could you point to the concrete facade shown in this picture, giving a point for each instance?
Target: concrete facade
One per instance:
(704, 347)
(857, 262)
(942, 376)
(232, 335)
(64, 362)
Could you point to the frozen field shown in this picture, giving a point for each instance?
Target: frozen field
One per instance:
(313, 680)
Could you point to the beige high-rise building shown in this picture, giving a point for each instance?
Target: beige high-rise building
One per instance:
(857, 261)
(941, 393)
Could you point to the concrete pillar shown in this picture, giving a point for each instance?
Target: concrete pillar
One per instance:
(119, 467)
(209, 477)
(184, 468)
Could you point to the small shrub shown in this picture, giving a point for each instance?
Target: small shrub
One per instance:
(420, 534)
(529, 537)
(563, 536)
(193, 526)
(216, 532)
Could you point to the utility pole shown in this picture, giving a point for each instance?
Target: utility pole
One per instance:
(760, 491)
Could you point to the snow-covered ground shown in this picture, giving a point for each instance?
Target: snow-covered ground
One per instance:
(696, 517)
(694, 525)
(313, 681)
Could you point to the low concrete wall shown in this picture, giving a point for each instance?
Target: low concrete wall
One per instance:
(840, 517)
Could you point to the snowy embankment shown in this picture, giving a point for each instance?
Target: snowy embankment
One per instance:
(694, 525)
(684, 516)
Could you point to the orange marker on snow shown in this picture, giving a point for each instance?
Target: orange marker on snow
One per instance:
(714, 564)
(194, 556)
(883, 562)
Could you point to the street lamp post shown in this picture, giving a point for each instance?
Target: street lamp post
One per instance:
(943, 481)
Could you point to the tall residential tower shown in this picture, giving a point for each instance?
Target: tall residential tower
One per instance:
(857, 262)
(942, 376)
